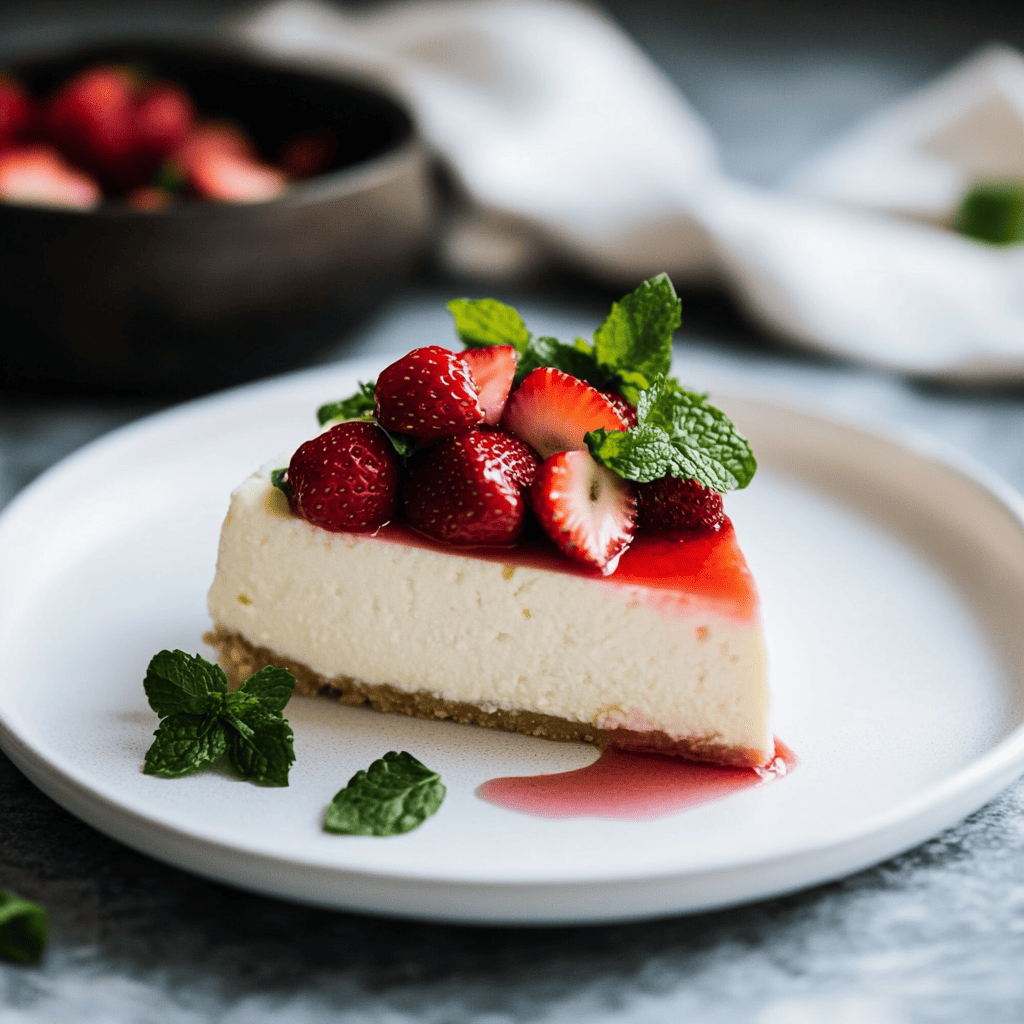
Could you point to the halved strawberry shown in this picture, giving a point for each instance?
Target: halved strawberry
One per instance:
(470, 489)
(552, 411)
(671, 505)
(428, 393)
(38, 176)
(586, 509)
(627, 412)
(345, 479)
(493, 369)
(233, 179)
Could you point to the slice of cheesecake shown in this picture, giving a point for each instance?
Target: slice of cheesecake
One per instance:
(666, 654)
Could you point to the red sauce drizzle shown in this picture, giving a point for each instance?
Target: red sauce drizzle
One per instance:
(708, 567)
(630, 786)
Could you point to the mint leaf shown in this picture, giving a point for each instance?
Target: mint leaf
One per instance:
(483, 322)
(395, 795)
(576, 359)
(642, 454)
(260, 744)
(24, 928)
(185, 744)
(993, 212)
(175, 682)
(678, 433)
(202, 722)
(279, 478)
(402, 443)
(634, 343)
(271, 686)
(359, 407)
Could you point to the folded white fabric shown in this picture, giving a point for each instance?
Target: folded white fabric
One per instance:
(570, 147)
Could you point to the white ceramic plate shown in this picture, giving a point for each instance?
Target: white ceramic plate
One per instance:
(893, 580)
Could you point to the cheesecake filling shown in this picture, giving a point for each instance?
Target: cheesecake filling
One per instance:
(464, 631)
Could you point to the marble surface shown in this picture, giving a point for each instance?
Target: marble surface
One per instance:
(936, 934)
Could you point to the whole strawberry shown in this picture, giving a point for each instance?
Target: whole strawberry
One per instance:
(470, 489)
(92, 120)
(428, 393)
(671, 505)
(346, 479)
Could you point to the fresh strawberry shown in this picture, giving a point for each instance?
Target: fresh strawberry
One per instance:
(307, 154)
(671, 505)
(16, 111)
(36, 175)
(586, 509)
(165, 114)
(91, 120)
(493, 369)
(233, 179)
(627, 412)
(428, 393)
(470, 489)
(213, 136)
(552, 411)
(346, 479)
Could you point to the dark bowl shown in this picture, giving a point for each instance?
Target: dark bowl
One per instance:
(201, 295)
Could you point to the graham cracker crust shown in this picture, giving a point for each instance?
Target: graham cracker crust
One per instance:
(240, 659)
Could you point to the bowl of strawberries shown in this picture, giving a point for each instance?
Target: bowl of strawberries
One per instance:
(176, 217)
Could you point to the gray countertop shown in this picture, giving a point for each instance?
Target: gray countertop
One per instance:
(936, 934)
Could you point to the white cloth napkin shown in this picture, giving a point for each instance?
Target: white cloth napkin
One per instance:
(570, 147)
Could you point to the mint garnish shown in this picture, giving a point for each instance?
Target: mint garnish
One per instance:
(279, 478)
(395, 795)
(359, 406)
(993, 212)
(678, 433)
(203, 723)
(483, 322)
(24, 928)
(634, 344)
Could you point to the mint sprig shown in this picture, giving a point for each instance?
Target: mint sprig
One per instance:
(24, 928)
(359, 406)
(395, 795)
(678, 433)
(993, 212)
(203, 723)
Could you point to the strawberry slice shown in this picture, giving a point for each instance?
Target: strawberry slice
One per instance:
(346, 479)
(552, 411)
(493, 369)
(232, 179)
(428, 393)
(627, 412)
(586, 509)
(37, 176)
(470, 489)
(671, 505)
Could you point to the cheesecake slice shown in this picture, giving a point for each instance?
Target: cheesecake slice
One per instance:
(527, 535)
(666, 654)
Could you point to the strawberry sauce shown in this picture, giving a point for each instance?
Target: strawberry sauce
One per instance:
(707, 567)
(630, 786)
